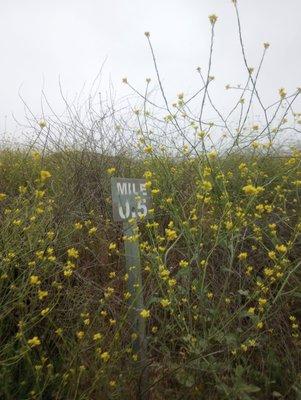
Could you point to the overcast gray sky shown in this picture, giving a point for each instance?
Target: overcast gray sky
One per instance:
(44, 40)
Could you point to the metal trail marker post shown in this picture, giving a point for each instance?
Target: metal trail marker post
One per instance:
(131, 201)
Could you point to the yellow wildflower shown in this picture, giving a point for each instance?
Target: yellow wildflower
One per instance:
(127, 295)
(33, 342)
(214, 227)
(243, 167)
(259, 325)
(105, 356)
(111, 171)
(59, 331)
(252, 190)
(145, 313)
(44, 175)
(50, 235)
(207, 186)
(80, 335)
(148, 149)
(148, 184)
(72, 253)
(262, 301)
(154, 329)
(68, 272)
(39, 194)
(97, 336)
(272, 255)
(92, 231)
(22, 189)
(282, 93)
(147, 174)
(45, 311)
(281, 248)
(171, 234)
(268, 272)
(155, 191)
(229, 225)
(183, 263)
(242, 256)
(112, 246)
(244, 347)
(42, 294)
(212, 154)
(171, 282)
(34, 280)
(165, 303)
(163, 272)
(31, 264)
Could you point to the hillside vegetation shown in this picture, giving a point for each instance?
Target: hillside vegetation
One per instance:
(221, 278)
(220, 251)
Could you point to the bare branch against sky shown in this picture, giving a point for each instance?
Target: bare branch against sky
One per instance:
(51, 40)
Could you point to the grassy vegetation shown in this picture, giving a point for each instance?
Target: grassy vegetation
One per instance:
(221, 273)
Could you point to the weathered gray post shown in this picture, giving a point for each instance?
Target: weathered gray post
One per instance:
(131, 201)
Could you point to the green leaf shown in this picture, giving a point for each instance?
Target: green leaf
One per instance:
(245, 388)
(185, 378)
(231, 339)
(239, 370)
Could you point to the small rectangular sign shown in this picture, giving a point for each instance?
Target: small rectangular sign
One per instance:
(130, 198)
